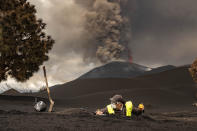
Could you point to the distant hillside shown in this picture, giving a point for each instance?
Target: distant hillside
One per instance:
(116, 70)
(123, 70)
(160, 69)
(11, 92)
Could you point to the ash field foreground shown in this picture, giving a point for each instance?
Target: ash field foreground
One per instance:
(168, 97)
(82, 120)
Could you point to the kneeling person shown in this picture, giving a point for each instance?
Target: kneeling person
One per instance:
(119, 106)
(126, 109)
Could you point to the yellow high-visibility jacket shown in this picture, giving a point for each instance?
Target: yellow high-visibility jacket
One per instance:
(129, 108)
(128, 105)
(110, 109)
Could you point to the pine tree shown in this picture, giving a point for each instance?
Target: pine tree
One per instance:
(193, 70)
(24, 45)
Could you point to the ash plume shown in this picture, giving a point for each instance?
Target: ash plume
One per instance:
(108, 29)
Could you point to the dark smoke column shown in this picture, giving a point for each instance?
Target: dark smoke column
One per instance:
(109, 29)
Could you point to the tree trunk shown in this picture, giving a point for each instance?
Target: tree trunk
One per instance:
(48, 91)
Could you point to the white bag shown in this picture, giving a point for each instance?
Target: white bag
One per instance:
(40, 106)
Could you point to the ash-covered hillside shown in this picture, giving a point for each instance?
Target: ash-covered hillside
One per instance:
(123, 70)
(168, 90)
(116, 70)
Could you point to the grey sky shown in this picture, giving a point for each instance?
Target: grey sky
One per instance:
(165, 32)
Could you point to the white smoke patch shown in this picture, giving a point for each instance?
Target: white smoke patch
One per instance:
(46, 3)
(65, 21)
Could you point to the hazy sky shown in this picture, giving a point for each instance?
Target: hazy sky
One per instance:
(163, 32)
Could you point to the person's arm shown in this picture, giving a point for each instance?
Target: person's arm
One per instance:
(103, 111)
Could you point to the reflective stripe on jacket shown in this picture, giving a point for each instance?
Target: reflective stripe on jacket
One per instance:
(110, 109)
(129, 107)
